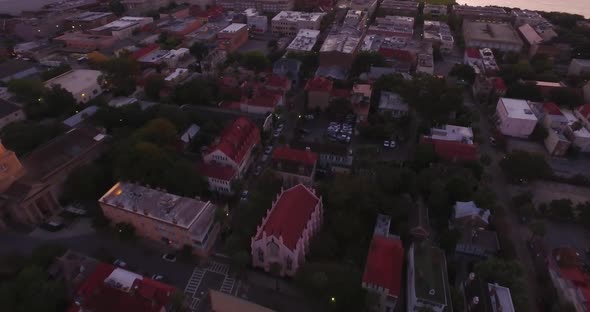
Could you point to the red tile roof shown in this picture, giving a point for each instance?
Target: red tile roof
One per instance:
(295, 155)
(144, 51)
(268, 100)
(341, 93)
(319, 84)
(290, 215)
(584, 110)
(237, 139)
(552, 109)
(384, 264)
(277, 82)
(472, 53)
(216, 171)
(452, 150)
(499, 84)
(146, 295)
(569, 267)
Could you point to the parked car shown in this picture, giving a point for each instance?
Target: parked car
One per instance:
(244, 195)
(309, 117)
(268, 150)
(169, 257)
(120, 263)
(159, 278)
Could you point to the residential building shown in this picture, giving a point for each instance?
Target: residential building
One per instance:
(570, 280)
(482, 61)
(425, 64)
(396, 7)
(170, 58)
(291, 22)
(439, 34)
(435, 10)
(32, 197)
(176, 76)
(454, 143)
(207, 33)
(77, 119)
(318, 90)
(531, 38)
(515, 117)
(576, 133)
(211, 62)
(88, 20)
(556, 142)
(338, 53)
(81, 83)
(501, 36)
(393, 104)
(269, 6)
(16, 69)
(393, 26)
(583, 114)
(294, 166)
(553, 118)
(477, 242)
(258, 23)
(263, 103)
(189, 134)
(427, 284)
(123, 27)
(360, 99)
(73, 269)
(85, 42)
(11, 167)
(287, 67)
(283, 237)
(383, 268)
(232, 37)
(333, 157)
(178, 12)
(36, 25)
(578, 67)
(138, 7)
(364, 5)
(221, 302)
(9, 113)
(162, 217)
(304, 41)
(355, 19)
(522, 17)
(483, 297)
(178, 27)
(230, 154)
(485, 13)
(109, 288)
(467, 214)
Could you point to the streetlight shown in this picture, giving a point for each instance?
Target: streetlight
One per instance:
(333, 299)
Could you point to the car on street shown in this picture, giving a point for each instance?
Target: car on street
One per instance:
(120, 263)
(309, 117)
(169, 257)
(244, 195)
(268, 150)
(158, 277)
(389, 144)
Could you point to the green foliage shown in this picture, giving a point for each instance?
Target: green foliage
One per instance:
(199, 50)
(44, 255)
(448, 240)
(539, 134)
(309, 62)
(55, 71)
(120, 75)
(508, 274)
(463, 72)
(538, 228)
(153, 86)
(566, 97)
(23, 137)
(561, 209)
(363, 62)
(125, 231)
(54, 102)
(526, 91)
(32, 291)
(27, 90)
(87, 182)
(198, 91)
(168, 42)
(512, 73)
(255, 61)
(524, 165)
(116, 7)
(424, 155)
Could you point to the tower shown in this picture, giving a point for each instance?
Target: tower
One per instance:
(10, 168)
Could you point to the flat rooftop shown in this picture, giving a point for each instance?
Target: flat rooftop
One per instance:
(399, 5)
(88, 16)
(157, 204)
(305, 40)
(485, 31)
(122, 23)
(295, 16)
(519, 109)
(430, 267)
(232, 28)
(76, 80)
(340, 43)
(453, 133)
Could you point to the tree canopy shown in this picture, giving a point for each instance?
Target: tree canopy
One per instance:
(120, 75)
(463, 72)
(23, 137)
(519, 165)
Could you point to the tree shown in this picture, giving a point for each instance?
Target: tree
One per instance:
(178, 302)
(116, 7)
(566, 97)
(120, 76)
(240, 261)
(44, 255)
(255, 61)
(197, 91)
(449, 240)
(272, 44)
(538, 229)
(424, 156)
(153, 86)
(55, 71)
(199, 50)
(363, 62)
(87, 182)
(562, 209)
(526, 91)
(512, 73)
(463, 72)
(23, 137)
(126, 231)
(521, 166)
(32, 291)
(28, 90)
(539, 134)
(508, 274)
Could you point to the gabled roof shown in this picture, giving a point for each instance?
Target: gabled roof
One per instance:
(584, 110)
(290, 214)
(472, 53)
(216, 171)
(469, 209)
(499, 84)
(237, 138)
(295, 155)
(277, 81)
(552, 109)
(384, 264)
(320, 84)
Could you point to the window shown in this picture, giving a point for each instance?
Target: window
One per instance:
(273, 249)
(260, 255)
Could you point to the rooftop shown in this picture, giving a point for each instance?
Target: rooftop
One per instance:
(81, 116)
(294, 16)
(392, 101)
(319, 84)
(399, 5)
(76, 80)
(221, 302)
(177, 25)
(552, 109)
(499, 32)
(11, 67)
(188, 213)
(530, 34)
(477, 241)
(236, 139)
(285, 153)
(122, 23)
(88, 16)
(305, 40)
(384, 264)
(190, 133)
(340, 42)
(483, 11)
(232, 28)
(469, 209)
(519, 109)
(7, 108)
(453, 133)
(216, 171)
(290, 214)
(430, 267)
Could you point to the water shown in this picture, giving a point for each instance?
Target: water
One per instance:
(581, 7)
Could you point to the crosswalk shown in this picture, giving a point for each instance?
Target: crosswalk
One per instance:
(194, 282)
(218, 268)
(194, 304)
(196, 278)
(228, 285)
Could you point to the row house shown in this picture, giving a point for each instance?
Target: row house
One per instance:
(453, 143)
(294, 166)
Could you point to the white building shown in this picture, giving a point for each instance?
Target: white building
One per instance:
(305, 41)
(290, 22)
(515, 117)
(81, 83)
(177, 75)
(123, 27)
(256, 22)
(284, 235)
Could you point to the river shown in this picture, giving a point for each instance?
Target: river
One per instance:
(581, 7)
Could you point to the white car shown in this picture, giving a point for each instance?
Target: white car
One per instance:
(157, 277)
(309, 117)
(244, 195)
(268, 150)
(169, 257)
(120, 263)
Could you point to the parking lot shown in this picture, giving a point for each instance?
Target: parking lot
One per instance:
(325, 128)
(213, 276)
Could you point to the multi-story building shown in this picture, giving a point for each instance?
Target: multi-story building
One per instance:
(481, 296)
(179, 27)
(81, 83)
(232, 37)
(318, 91)
(267, 6)
(439, 34)
(258, 23)
(338, 52)
(396, 7)
(85, 42)
(501, 36)
(364, 5)
(333, 157)
(383, 269)
(583, 114)
(304, 41)
(435, 10)
(570, 280)
(290, 22)
(487, 13)
(515, 117)
(578, 135)
(393, 26)
(454, 143)
(467, 214)
(88, 20)
(209, 64)
(355, 19)
(162, 217)
(123, 27)
(522, 17)
(109, 288)
(138, 7)
(9, 113)
(427, 284)
(294, 166)
(425, 64)
(32, 198)
(282, 240)
(230, 155)
(393, 104)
